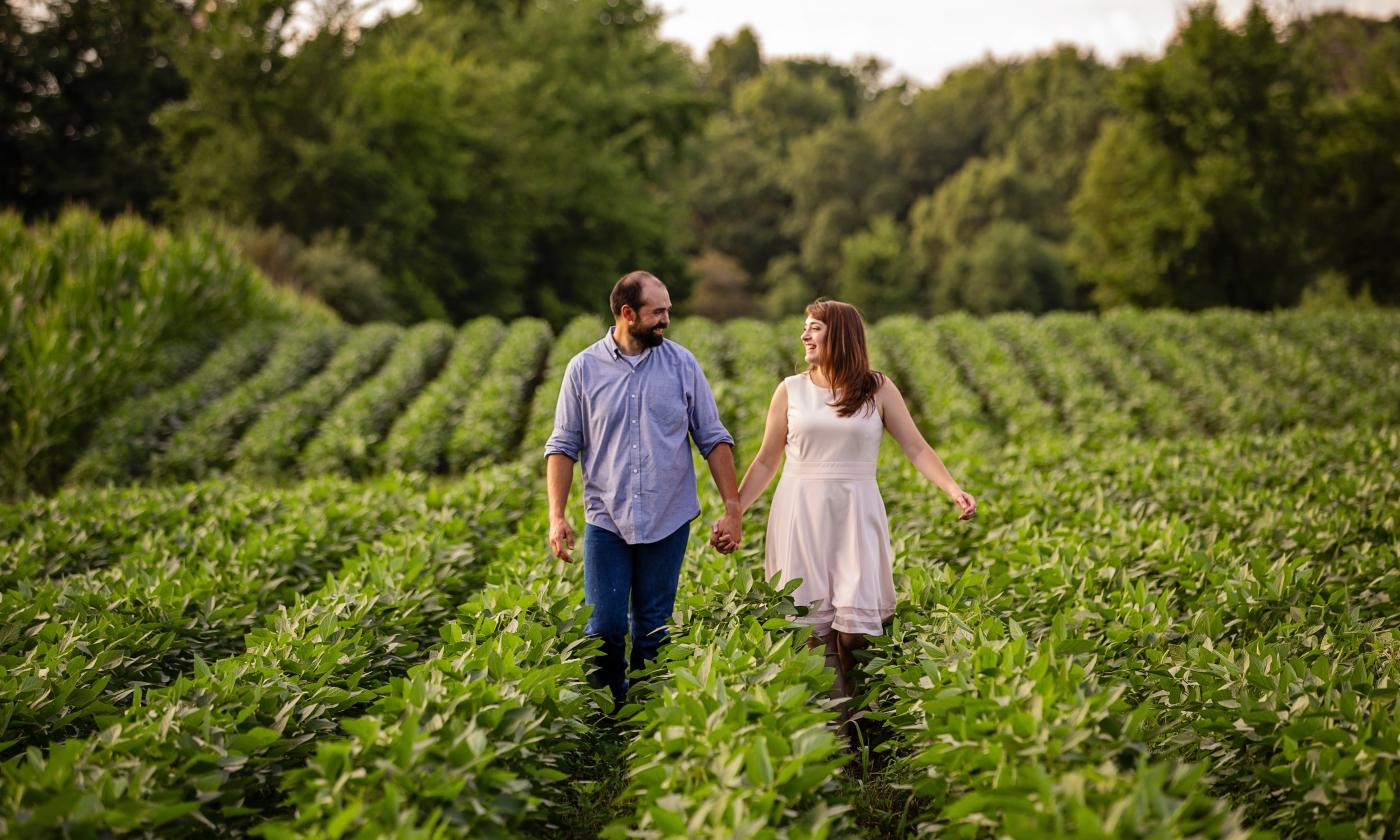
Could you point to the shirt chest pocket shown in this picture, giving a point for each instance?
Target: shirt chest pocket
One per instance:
(665, 406)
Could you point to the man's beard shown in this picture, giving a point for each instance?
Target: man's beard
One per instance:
(647, 338)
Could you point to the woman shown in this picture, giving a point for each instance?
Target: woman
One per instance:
(827, 525)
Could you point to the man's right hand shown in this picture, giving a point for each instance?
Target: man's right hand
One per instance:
(561, 539)
(724, 534)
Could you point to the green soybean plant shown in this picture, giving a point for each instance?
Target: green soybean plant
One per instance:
(346, 441)
(271, 446)
(206, 444)
(418, 438)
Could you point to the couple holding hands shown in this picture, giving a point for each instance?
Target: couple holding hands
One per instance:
(629, 406)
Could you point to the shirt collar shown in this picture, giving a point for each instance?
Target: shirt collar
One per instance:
(610, 344)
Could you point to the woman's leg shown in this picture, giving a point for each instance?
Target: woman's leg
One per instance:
(838, 687)
(846, 646)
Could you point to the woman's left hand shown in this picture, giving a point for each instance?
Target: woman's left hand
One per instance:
(965, 503)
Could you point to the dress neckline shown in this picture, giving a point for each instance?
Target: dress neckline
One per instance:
(814, 382)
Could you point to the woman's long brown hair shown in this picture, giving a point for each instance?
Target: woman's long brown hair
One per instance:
(847, 359)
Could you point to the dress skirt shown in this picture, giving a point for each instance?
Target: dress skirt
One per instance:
(827, 526)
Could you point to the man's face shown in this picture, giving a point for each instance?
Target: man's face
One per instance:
(648, 326)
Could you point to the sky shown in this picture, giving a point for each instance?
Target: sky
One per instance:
(924, 39)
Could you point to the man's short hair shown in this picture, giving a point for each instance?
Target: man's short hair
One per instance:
(628, 291)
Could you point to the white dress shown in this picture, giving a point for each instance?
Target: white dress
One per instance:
(827, 524)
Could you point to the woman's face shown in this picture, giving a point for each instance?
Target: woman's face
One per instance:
(814, 340)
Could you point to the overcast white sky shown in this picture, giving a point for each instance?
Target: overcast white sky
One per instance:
(924, 39)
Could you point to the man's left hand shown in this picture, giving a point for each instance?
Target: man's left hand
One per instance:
(725, 535)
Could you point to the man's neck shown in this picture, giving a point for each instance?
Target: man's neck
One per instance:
(625, 342)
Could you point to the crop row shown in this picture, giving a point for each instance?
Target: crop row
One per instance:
(474, 739)
(1300, 377)
(86, 308)
(1168, 629)
(1333, 340)
(706, 341)
(1070, 679)
(1082, 403)
(1154, 405)
(206, 444)
(756, 359)
(418, 437)
(128, 439)
(1157, 346)
(732, 734)
(1261, 404)
(539, 425)
(489, 426)
(348, 438)
(939, 401)
(118, 589)
(1011, 377)
(1191, 633)
(216, 740)
(275, 441)
(986, 365)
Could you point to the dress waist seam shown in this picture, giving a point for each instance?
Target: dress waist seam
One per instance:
(830, 469)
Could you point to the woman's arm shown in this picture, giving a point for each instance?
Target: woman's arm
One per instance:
(902, 428)
(770, 454)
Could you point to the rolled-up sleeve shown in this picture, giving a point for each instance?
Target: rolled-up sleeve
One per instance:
(567, 438)
(705, 427)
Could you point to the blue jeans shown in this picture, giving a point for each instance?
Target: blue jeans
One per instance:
(619, 579)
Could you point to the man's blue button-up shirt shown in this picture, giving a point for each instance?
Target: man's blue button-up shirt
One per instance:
(628, 421)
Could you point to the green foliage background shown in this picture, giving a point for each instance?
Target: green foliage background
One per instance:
(508, 159)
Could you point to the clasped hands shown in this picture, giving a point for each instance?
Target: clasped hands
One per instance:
(725, 534)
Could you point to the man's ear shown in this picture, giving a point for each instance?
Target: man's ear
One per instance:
(628, 313)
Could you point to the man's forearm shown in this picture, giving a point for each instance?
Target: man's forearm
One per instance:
(559, 477)
(721, 461)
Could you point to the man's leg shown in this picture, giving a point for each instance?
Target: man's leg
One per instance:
(607, 577)
(655, 576)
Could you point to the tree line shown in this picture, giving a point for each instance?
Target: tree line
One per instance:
(508, 157)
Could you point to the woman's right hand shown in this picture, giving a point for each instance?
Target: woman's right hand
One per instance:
(965, 503)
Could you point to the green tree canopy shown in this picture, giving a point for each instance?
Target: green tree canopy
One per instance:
(501, 159)
(79, 81)
(780, 106)
(875, 273)
(1225, 117)
(732, 61)
(983, 192)
(1007, 266)
(1356, 62)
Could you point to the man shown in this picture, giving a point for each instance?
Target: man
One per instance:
(626, 407)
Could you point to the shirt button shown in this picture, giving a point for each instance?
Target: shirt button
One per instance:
(634, 448)
(634, 422)
(634, 396)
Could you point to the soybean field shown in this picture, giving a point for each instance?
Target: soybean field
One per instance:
(299, 586)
